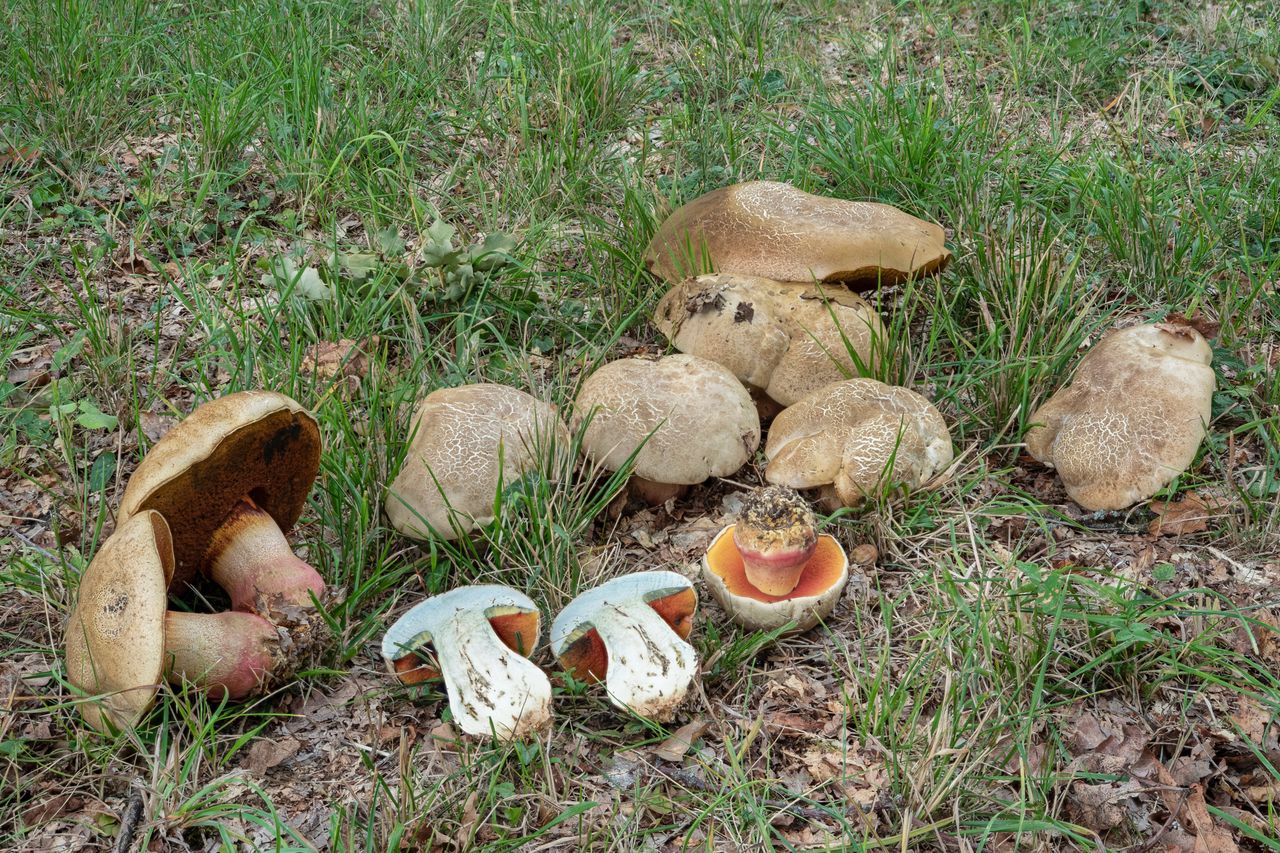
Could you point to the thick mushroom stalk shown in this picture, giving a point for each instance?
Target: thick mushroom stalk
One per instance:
(228, 655)
(250, 558)
(480, 636)
(776, 534)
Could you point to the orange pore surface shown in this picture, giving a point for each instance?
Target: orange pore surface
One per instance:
(822, 570)
(586, 658)
(519, 631)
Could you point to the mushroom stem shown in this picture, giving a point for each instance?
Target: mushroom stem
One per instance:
(654, 493)
(776, 535)
(224, 654)
(650, 667)
(250, 558)
(775, 574)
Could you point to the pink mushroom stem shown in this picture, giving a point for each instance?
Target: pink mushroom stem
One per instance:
(224, 654)
(250, 558)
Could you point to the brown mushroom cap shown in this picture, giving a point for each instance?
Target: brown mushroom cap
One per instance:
(693, 417)
(773, 230)
(1132, 417)
(258, 444)
(786, 339)
(453, 460)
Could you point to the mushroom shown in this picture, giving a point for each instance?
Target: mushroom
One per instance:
(1132, 417)
(231, 479)
(684, 419)
(776, 231)
(630, 632)
(850, 437)
(784, 339)
(772, 568)
(467, 443)
(122, 640)
(480, 638)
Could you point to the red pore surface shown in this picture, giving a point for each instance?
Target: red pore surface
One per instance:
(518, 631)
(822, 570)
(586, 658)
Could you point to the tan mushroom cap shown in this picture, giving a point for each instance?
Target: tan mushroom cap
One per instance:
(1132, 417)
(785, 339)
(257, 444)
(773, 230)
(855, 435)
(693, 417)
(115, 636)
(453, 460)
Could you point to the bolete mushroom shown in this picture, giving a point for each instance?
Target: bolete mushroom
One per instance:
(467, 443)
(688, 418)
(773, 230)
(231, 479)
(1131, 418)
(478, 639)
(122, 640)
(849, 438)
(630, 633)
(785, 339)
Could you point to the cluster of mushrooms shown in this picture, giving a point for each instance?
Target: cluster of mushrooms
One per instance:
(775, 335)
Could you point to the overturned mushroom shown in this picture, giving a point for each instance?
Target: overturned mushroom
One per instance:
(122, 640)
(479, 640)
(468, 442)
(773, 230)
(630, 632)
(849, 438)
(689, 419)
(1132, 417)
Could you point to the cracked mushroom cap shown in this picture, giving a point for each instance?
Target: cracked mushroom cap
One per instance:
(785, 339)
(852, 434)
(773, 230)
(256, 444)
(1132, 417)
(468, 440)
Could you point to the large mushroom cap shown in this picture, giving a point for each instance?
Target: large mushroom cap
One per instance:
(855, 435)
(1132, 417)
(256, 444)
(786, 339)
(693, 418)
(467, 441)
(115, 636)
(773, 230)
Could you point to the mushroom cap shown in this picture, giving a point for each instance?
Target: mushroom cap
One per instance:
(115, 635)
(256, 444)
(693, 418)
(852, 434)
(814, 597)
(453, 460)
(773, 230)
(786, 339)
(513, 616)
(1132, 417)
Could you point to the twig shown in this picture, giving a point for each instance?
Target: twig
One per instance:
(129, 820)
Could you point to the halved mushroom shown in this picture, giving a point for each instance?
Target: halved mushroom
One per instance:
(785, 339)
(630, 632)
(773, 230)
(231, 479)
(467, 443)
(1132, 417)
(122, 640)
(479, 640)
(689, 418)
(850, 438)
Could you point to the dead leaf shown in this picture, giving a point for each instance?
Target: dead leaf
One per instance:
(674, 747)
(266, 753)
(51, 808)
(346, 361)
(1198, 321)
(864, 554)
(1177, 518)
(155, 426)
(14, 156)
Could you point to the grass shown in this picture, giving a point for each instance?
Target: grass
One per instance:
(1091, 164)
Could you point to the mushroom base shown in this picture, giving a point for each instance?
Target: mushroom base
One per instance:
(249, 557)
(232, 655)
(656, 494)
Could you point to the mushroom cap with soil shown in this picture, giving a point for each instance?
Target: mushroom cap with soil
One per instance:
(630, 632)
(1132, 417)
(479, 640)
(467, 442)
(773, 230)
(852, 437)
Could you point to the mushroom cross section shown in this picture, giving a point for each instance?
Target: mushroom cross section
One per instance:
(630, 632)
(480, 638)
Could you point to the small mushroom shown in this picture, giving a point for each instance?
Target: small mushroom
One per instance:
(122, 640)
(1132, 417)
(773, 230)
(688, 418)
(467, 443)
(850, 437)
(231, 479)
(480, 638)
(785, 339)
(630, 632)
